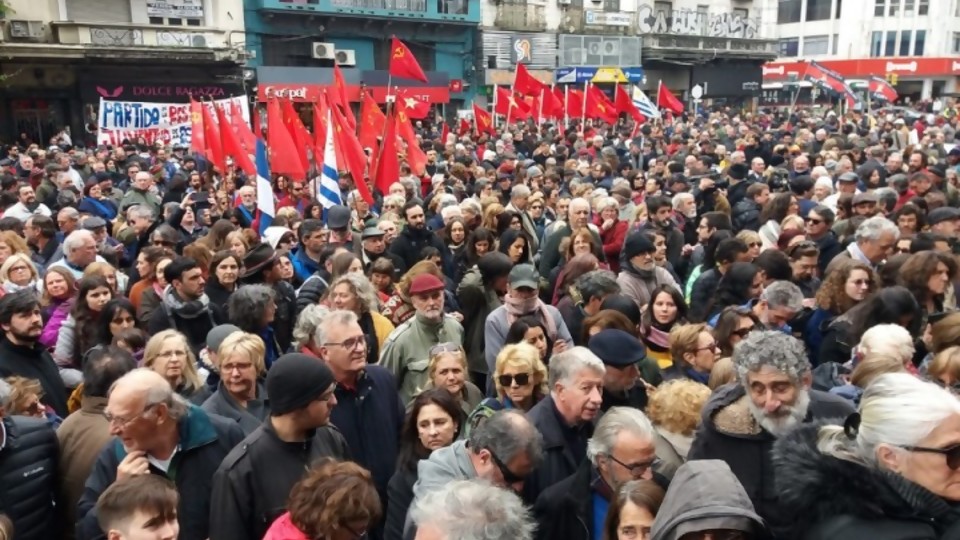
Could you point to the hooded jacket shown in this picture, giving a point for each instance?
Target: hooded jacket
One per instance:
(194, 318)
(729, 432)
(824, 497)
(477, 300)
(444, 465)
(705, 495)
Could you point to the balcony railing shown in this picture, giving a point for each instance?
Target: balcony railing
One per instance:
(521, 17)
(656, 46)
(440, 10)
(140, 35)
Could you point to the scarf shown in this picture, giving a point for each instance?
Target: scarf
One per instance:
(11, 287)
(191, 309)
(645, 275)
(517, 308)
(657, 339)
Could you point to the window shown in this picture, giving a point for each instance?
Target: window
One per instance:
(955, 49)
(876, 44)
(894, 8)
(816, 45)
(919, 42)
(905, 37)
(703, 19)
(611, 5)
(890, 44)
(790, 47)
(836, 44)
(878, 8)
(788, 11)
(666, 7)
(818, 10)
(923, 7)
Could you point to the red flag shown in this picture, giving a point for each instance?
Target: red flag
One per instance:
(232, 146)
(403, 64)
(244, 134)
(575, 103)
(464, 127)
(625, 105)
(354, 158)
(211, 132)
(525, 83)
(552, 105)
(416, 157)
(342, 100)
(283, 153)
(256, 123)
(599, 106)
(388, 163)
(666, 100)
(320, 124)
(444, 132)
(198, 144)
(484, 121)
(414, 107)
(876, 85)
(372, 121)
(509, 105)
(301, 137)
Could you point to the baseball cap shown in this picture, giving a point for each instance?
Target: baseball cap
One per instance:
(524, 275)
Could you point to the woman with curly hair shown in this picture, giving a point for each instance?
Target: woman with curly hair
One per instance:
(335, 500)
(845, 286)
(354, 292)
(252, 309)
(674, 410)
(778, 207)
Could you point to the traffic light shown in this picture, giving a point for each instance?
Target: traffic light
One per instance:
(892, 78)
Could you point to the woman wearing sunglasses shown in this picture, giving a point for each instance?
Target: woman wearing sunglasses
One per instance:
(521, 382)
(843, 288)
(888, 472)
(734, 323)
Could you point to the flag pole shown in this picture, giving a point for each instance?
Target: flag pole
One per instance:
(540, 114)
(566, 102)
(494, 113)
(583, 110)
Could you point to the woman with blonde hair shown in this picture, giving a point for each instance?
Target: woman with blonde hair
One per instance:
(354, 292)
(944, 369)
(520, 379)
(10, 243)
(241, 395)
(723, 372)
(18, 272)
(116, 280)
(491, 214)
(236, 242)
(447, 369)
(674, 410)
(169, 354)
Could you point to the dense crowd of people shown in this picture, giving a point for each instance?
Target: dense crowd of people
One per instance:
(728, 325)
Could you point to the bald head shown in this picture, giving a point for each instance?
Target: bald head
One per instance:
(144, 383)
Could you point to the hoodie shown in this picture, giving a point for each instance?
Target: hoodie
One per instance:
(705, 495)
(444, 465)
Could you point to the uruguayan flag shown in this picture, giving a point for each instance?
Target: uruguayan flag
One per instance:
(328, 191)
(644, 105)
(264, 190)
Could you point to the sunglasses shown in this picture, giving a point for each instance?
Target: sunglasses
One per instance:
(743, 332)
(952, 453)
(814, 221)
(446, 347)
(506, 381)
(509, 477)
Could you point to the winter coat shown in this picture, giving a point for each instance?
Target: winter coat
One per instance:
(612, 241)
(248, 418)
(193, 319)
(252, 485)
(564, 511)
(823, 497)
(836, 344)
(560, 460)
(286, 316)
(701, 295)
(409, 243)
(35, 363)
(708, 491)
(399, 499)
(729, 432)
(28, 474)
(51, 330)
(638, 288)
(444, 465)
(829, 248)
(746, 216)
(205, 440)
(477, 300)
(82, 436)
(672, 449)
(312, 289)
(303, 265)
(406, 351)
(495, 332)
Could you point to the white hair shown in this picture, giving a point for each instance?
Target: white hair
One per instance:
(613, 422)
(450, 212)
(897, 409)
(887, 339)
(474, 510)
(875, 227)
(607, 202)
(580, 201)
(307, 323)
(338, 316)
(519, 191)
(141, 211)
(76, 239)
(471, 206)
(568, 364)
(679, 198)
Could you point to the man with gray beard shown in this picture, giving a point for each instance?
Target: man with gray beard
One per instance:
(770, 396)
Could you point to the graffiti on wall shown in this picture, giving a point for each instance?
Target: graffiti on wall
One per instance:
(695, 23)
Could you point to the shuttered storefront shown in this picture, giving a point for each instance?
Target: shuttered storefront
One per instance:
(100, 11)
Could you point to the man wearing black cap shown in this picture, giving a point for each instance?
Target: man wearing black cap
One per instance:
(622, 355)
(640, 275)
(373, 247)
(737, 177)
(944, 221)
(260, 267)
(251, 486)
(338, 221)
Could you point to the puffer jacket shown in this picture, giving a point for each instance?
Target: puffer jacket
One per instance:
(746, 216)
(29, 454)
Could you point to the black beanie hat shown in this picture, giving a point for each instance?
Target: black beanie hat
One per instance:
(294, 380)
(636, 244)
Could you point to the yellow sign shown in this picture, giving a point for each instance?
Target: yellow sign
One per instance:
(609, 75)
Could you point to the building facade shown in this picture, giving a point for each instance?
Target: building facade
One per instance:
(912, 42)
(58, 59)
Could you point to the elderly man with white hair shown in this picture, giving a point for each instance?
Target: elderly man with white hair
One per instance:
(472, 510)
(578, 218)
(565, 417)
(519, 197)
(769, 398)
(79, 251)
(874, 240)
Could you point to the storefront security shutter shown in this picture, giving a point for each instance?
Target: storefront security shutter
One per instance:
(99, 11)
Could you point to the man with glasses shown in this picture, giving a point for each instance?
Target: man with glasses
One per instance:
(620, 450)
(369, 412)
(155, 431)
(772, 392)
(406, 351)
(251, 486)
(503, 450)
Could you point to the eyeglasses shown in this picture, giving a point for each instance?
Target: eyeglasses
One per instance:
(813, 221)
(710, 347)
(350, 343)
(236, 367)
(509, 476)
(171, 354)
(445, 347)
(124, 422)
(952, 453)
(19, 269)
(636, 470)
(506, 381)
(862, 282)
(743, 332)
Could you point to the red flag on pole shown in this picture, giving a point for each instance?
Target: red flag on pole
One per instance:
(301, 137)
(879, 86)
(525, 83)
(388, 163)
(244, 133)
(552, 105)
(403, 64)
(484, 121)
(575, 103)
(342, 100)
(509, 105)
(625, 105)
(414, 107)
(416, 157)
(320, 124)
(232, 146)
(464, 127)
(283, 153)
(211, 133)
(372, 121)
(599, 106)
(666, 100)
(255, 122)
(444, 132)
(355, 160)
(198, 144)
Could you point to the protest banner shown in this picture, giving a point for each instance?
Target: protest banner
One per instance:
(168, 123)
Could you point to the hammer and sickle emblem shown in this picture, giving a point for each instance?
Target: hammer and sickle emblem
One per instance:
(195, 117)
(403, 116)
(398, 52)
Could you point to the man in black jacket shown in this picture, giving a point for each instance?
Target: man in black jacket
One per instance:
(28, 473)
(620, 450)
(621, 353)
(157, 432)
(21, 355)
(414, 237)
(184, 305)
(251, 487)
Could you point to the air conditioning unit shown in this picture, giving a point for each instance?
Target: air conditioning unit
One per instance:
(20, 29)
(199, 41)
(323, 51)
(346, 57)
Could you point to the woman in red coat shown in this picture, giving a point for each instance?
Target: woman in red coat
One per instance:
(612, 231)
